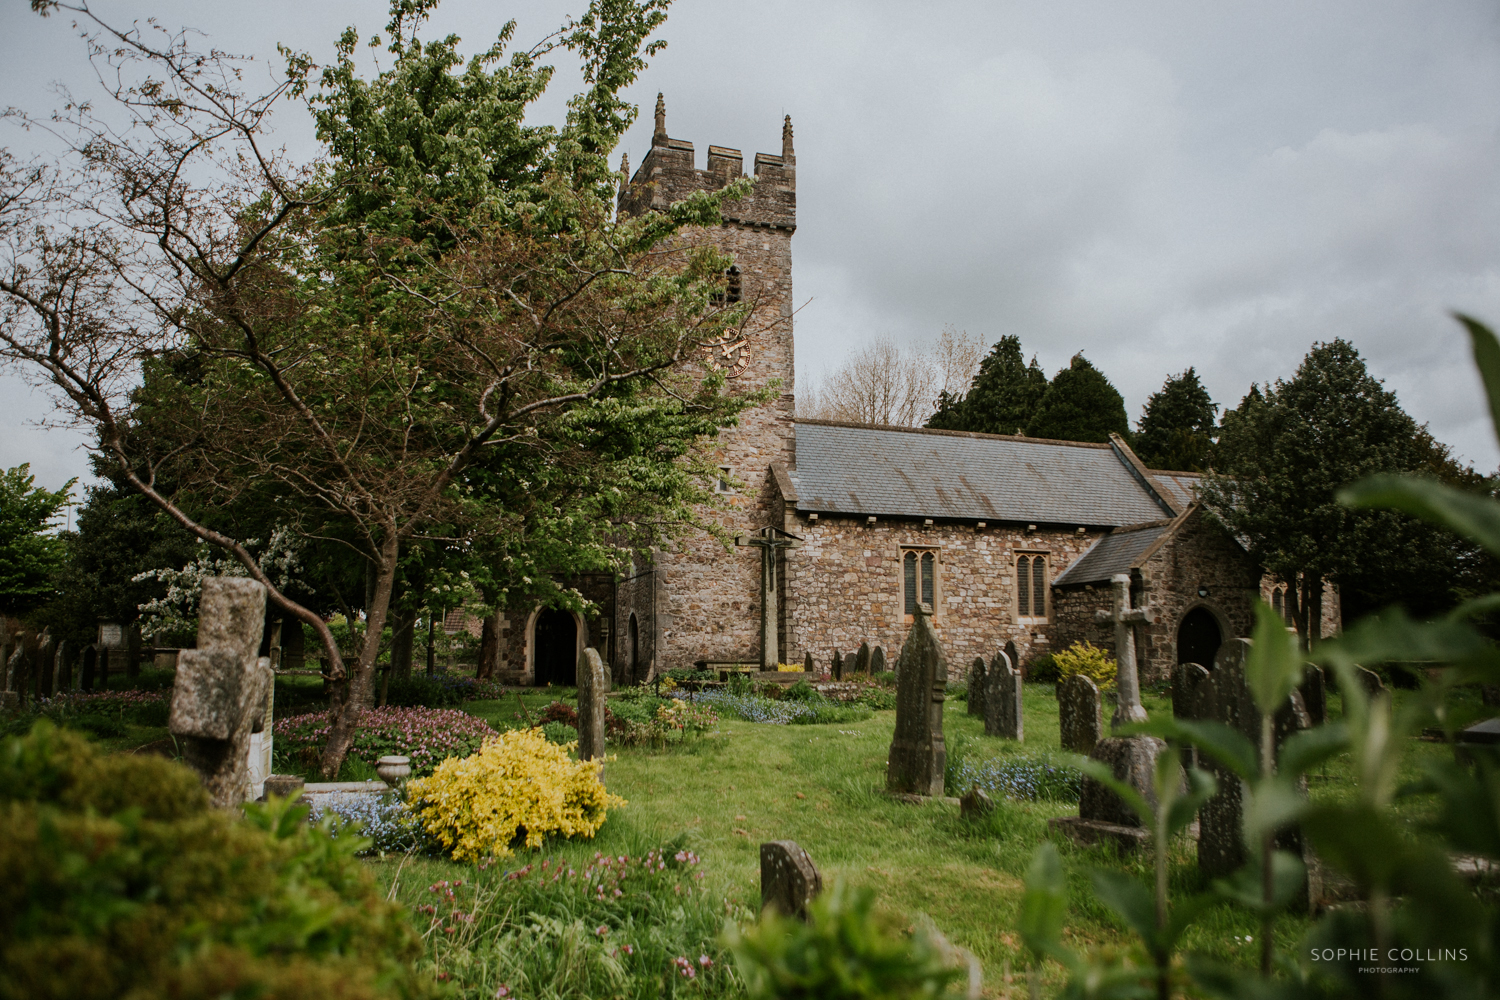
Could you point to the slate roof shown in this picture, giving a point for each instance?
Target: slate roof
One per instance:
(1181, 487)
(1116, 552)
(906, 472)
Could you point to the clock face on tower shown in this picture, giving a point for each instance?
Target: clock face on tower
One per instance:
(729, 354)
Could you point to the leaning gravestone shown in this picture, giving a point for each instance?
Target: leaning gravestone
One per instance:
(877, 660)
(1221, 847)
(593, 685)
(221, 686)
(862, 659)
(1080, 714)
(918, 756)
(1002, 700)
(788, 878)
(976, 688)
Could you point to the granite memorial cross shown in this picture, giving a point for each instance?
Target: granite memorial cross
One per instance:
(220, 687)
(1128, 706)
(593, 685)
(769, 540)
(918, 756)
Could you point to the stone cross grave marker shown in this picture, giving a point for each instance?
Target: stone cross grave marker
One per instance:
(1080, 713)
(788, 878)
(593, 685)
(1002, 699)
(1221, 848)
(975, 704)
(862, 659)
(220, 687)
(877, 660)
(1128, 706)
(769, 540)
(918, 755)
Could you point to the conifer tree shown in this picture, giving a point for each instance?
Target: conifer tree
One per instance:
(1177, 428)
(1001, 399)
(1080, 405)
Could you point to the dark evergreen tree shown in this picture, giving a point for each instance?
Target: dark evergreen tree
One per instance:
(1178, 426)
(1001, 399)
(1080, 405)
(30, 554)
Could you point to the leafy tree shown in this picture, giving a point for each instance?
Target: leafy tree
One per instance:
(1178, 426)
(1002, 398)
(31, 555)
(1283, 456)
(1079, 405)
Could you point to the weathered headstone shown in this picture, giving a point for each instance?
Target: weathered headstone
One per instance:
(976, 688)
(838, 665)
(220, 687)
(1370, 681)
(1128, 708)
(788, 878)
(593, 685)
(1314, 688)
(1080, 714)
(1221, 847)
(918, 755)
(862, 659)
(1002, 700)
(975, 803)
(1192, 700)
(877, 660)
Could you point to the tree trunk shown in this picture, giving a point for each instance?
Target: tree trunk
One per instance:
(489, 647)
(1314, 587)
(431, 643)
(403, 638)
(358, 694)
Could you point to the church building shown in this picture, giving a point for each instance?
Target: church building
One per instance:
(846, 528)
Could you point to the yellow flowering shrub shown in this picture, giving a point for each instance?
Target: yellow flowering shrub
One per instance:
(517, 785)
(789, 668)
(1087, 659)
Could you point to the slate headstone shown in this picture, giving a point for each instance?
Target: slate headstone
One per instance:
(918, 755)
(838, 665)
(1080, 714)
(976, 688)
(593, 685)
(788, 878)
(862, 659)
(1002, 700)
(877, 660)
(220, 687)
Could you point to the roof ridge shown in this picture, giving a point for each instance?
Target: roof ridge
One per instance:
(977, 435)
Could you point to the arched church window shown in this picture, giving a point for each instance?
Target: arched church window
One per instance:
(1031, 586)
(733, 288)
(919, 579)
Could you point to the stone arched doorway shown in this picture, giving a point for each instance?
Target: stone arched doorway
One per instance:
(1199, 637)
(554, 644)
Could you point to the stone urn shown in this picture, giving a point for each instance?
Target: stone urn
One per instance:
(393, 770)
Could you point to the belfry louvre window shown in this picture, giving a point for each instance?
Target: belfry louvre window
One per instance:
(919, 576)
(1031, 586)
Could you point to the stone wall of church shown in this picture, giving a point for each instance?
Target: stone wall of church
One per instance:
(844, 586)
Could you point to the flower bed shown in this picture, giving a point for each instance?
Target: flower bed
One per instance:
(427, 735)
(1019, 778)
(756, 708)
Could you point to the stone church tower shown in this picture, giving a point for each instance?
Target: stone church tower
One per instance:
(694, 601)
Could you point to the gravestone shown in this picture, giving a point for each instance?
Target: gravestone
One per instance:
(1009, 649)
(1221, 848)
(877, 660)
(1192, 700)
(593, 685)
(62, 673)
(976, 688)
(862, 659)
(917, 755)
(1370, 681)
(1080, 714)
(838, 666)
(1128, 707)
(220, 687)
(788, 878)
(1002, 700)
(46, 663)
(975, 803)
(1314, 688)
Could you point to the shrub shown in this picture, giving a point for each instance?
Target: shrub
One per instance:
(383, 820)
(518, 786)
(1087, 659)
(559, 732)
(427, 735)
(119, 879)
(1043, 669)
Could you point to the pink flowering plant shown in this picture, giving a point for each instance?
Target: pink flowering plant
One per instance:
(612, 926)
(428, 736)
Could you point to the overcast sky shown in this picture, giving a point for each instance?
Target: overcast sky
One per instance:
(1156, 184)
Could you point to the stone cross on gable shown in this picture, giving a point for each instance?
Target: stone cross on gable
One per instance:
(769, 539)
(1128, 706)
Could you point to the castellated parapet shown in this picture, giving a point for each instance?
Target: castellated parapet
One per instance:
(668, 175)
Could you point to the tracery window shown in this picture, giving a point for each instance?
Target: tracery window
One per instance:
(919, 579)
(1031, 586)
